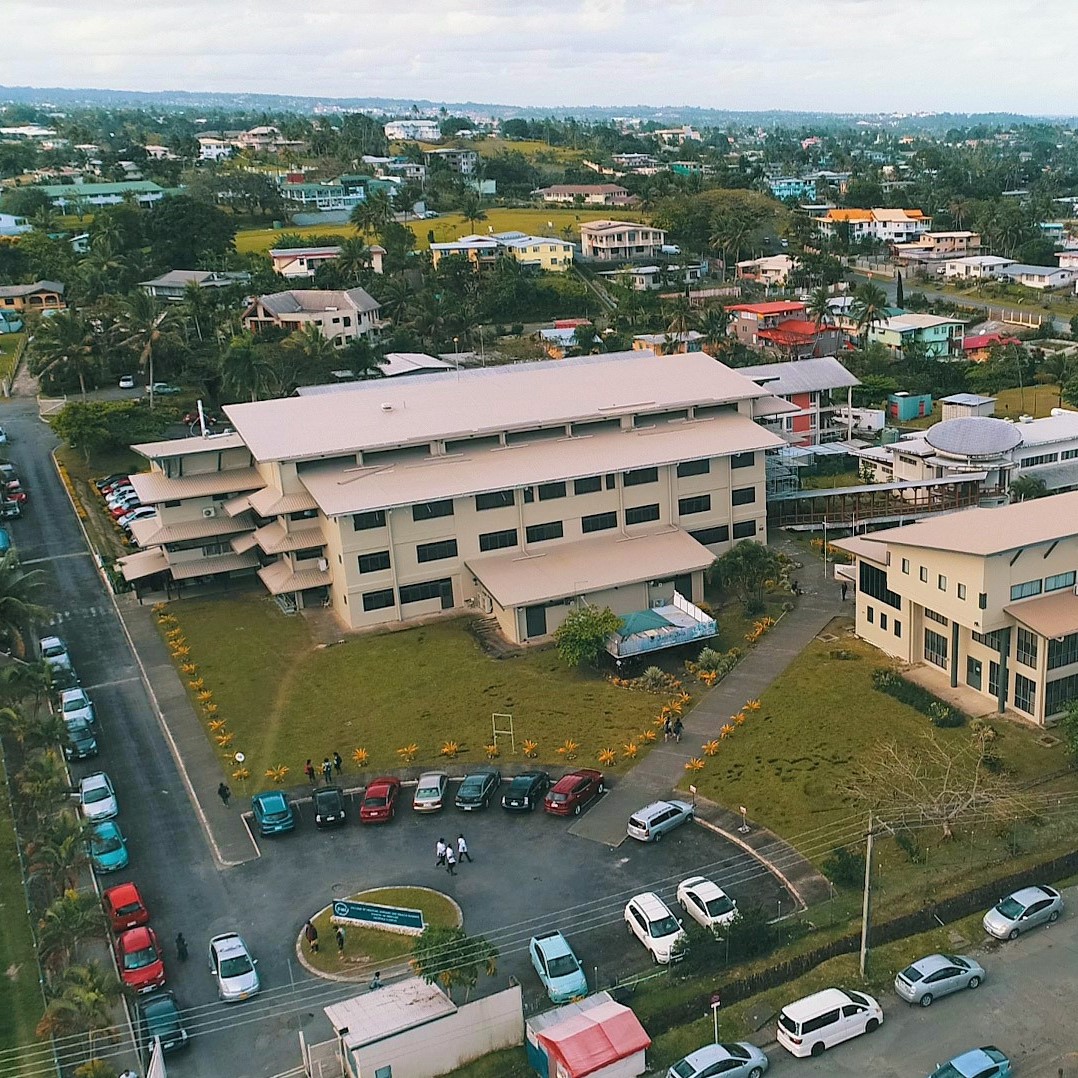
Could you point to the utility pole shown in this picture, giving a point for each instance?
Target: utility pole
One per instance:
(868, 892)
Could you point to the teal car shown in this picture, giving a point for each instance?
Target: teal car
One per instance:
(558, 968)
(987, 1062)
(108, 850)
(273, 812)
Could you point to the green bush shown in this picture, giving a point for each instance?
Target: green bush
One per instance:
(845, 868)
(654, 679)
(939, 712)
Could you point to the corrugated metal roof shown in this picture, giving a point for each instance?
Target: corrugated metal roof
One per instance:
(801, 376)
(280, 579)
(152, 532)
(142, 563)
(212, 564)
(1052, 615)
(177, 447)
(269, 502)
(154, 487)
(273, 539)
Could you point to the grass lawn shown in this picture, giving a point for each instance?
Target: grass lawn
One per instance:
(285, 699)
(829, 482)
(20, 993)
(9, 346)
(367, 949)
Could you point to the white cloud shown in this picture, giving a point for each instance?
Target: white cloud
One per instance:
(840, 55)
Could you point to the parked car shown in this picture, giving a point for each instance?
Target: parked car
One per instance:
(809, 1026)
(54, 653)
(329, 806)
(233, 968)
(273, 813)
(379, 803)
(738, 1060)
(163, 389)
(159, 1017)
(1026, 908)
(108, 850)
(987, 1062)
(706, 902)
(124, 907)
(430, 792)
(571, 793)
(97, 799)
(526, 791)
(63, 678)
(139, 958)
(3, 436)
(141, 512)
(477, 789)
(124, 504)
(937, 975)
(649, 919)
(79, 740)
(75, 704)
(650, 823)
(9, 509)
(559, 969)
(127, 381)
(108, 482)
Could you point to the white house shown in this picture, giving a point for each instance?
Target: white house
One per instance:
(10, 225)
(772, 270)
(976, 267)
(212, 148)
(413, 131)
(1040, 276)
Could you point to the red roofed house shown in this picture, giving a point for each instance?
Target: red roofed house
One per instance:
(597, 1038)
(749, 318)
(799, 338)
(979, 347)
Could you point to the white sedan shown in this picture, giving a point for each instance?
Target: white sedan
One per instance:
(233, 968)
(97, 797)
(75, 704)
(706, 902)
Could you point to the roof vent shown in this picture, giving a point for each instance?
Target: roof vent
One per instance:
(1025, 419)
(387, 407)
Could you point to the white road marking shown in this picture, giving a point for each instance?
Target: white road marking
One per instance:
(58, 557)
(110, 684)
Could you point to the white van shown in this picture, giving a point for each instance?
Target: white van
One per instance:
(827, 1018)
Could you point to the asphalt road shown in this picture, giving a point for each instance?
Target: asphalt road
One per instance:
(529, 874)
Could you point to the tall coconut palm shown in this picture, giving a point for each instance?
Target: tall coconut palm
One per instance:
(148, 328)
(42, 784)
(58, 856)
(311, 343)
(471, 208)
(66, 342)
(82, 1001)
(354, 259)
(198, 306)
(244, 369)
(363, 359)
(714, 324)
(31, 729)
(19, 609)
(395, 295)
(819, 306)
(869, 308)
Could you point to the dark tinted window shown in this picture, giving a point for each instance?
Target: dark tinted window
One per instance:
(746, 529)
(743, 496)
(430, 510)
(495, 499)
(707, 536)
(372, 563)
(819, 1022)
(641, 514)
(598, 522)
(429, 589)
(549, 491)
(376, 518)
(444, 548)
(742, 460)
(699, 503)
(693, 467)
(639, 476)
(539, 533)
(377, 600)
(498, 540)
(588, 485)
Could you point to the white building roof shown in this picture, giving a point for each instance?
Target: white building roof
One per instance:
(972, 400)
(1061, 427)
(385, 413)
(981, 260)
(974, 436)
(903, 322)
(392, 1009)
(179, 447)
(801, 376)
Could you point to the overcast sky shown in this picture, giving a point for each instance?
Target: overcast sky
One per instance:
(836, 55)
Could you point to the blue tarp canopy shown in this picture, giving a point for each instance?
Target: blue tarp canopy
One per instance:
(641, 621)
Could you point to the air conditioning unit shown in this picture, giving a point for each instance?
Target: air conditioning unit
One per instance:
(210, 511)
(323, 565)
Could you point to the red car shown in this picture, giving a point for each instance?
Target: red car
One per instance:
(124, 907)
(138, 954)
(569, 795)
(380, 800)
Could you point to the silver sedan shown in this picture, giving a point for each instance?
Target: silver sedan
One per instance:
(1027, 908)
(937, 975)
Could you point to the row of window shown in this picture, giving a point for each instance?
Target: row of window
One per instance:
(410, 593)
(885, 620)
(1050, 583)
(941, 583)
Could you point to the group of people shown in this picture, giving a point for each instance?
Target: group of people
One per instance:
(310, 934)
(448, 855)
(329, 766)
(673, 728)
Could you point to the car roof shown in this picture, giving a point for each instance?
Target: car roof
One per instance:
(383, 782)
(75, 690)
(48, 641)
(649, 811)
(432, 776)
(482, 773)
(102, 826)
(704, 887)
(808, 1006)
(95, 778)
(229, 943)
(972, 1062)
(650, 904)
(121, 893)
(553, 944)
(321, 791)
(271, 797)
(573, 778)
(710, 1053)
(159, 1001)
(136, 937)
(1027, 895)
(930, 963)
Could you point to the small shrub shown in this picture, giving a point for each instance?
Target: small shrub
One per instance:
(653, 679)
(944, 716)
(754, 606)
(709, 660)
(908, 845)
(845, 868)
(939, 712)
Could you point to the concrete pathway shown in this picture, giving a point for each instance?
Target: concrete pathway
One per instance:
(664, 766)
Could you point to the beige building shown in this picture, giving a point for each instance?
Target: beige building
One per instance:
(986, 597)
(340, 316)
(620, 241)
(515, 491)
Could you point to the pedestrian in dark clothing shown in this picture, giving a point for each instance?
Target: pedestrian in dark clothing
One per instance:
(668, 729)
(376, 981)
(338, 935)
(308, 770)
(678, 729)
(845, 587)
(462, 850)
(310, 933)
(224, 793)
(450, 861)
(327, 771)
(337, 762)
(181, 947)
(439, 853)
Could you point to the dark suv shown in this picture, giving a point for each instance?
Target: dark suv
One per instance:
(526, 791)
(329, 806)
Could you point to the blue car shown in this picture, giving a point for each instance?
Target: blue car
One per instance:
(108, 850)
(273, 812)
(558, 968)
(987, 1062)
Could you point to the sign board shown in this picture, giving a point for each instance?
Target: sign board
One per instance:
(372, 915)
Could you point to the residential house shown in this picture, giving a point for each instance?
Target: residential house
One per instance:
(942, 337)
(214, 148)
(789, 188)
(635, 161)
(10, 225)
(463, 162)
(801, 338)
(517, 491)
(984, 598)
(692, 168)
(481, 251)
(340, 316)
(79, 196)
(396, 167)
(39, 296)
(676, 136)
(172, 286)
(1040, 277)
(1067, 259)
(978, 348)
(749, 318)
(942, 245)
(881, 225)
(303, 262)
(324, 197)
(652, 278)
(536, 252)
(589, 194)
(773, 271)
(559, 341)
(820, 389)
(977, 267)
(620, 241)
(669, 344)
(413, 131)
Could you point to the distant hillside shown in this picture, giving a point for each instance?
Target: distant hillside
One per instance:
(68, 97)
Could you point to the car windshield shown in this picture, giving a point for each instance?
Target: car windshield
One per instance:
(1011, 908)
(375, 802)
(428, 791)
(97, 793)
(736, 1051)
(558, 798)
(53, 651)
(101, 844)
(961, 963)
(911, 974)
(563, 965)
(684, 1069)
(857, 997)
(127, 908)
(236, 966)
(521, 784)
(788, 1023)
(948, 1070)
(140, 959)
(663, 926)
(78, 729)
(163, 1017)
(74, 703)
(716, 907)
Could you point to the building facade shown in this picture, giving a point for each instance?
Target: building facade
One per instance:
(748, 319)
(940, 336)
(340, 316)
(39, 296)
(620, 241)
(881, 225)
(588, 194)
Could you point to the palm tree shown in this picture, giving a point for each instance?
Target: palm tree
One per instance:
(471, 208)
(372, 213)
(354, 259)
(395, 295)
(680, 317)
(714, 324)
(19, 589)
(244, 369)
(83, 1002)
(1026, 488)
(312, 344)
(148, 328)
(71, 919)
(25, 681)
(31, 729)
(363, 359)
(198, 306)
(958, 208)
(67, 342)
(42, 784)
(869, 308)
(58, 857)
(819, 306)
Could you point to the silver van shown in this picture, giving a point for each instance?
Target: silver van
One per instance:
(654, 820)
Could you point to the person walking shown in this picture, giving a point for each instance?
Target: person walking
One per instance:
(181, 947)
(677, 729)
(224, 793)
(439, 853)
(462, 850)
(327, 770)
(668, 729)
(308, 770)
(845, 588)
(450, 861)
(337, 762)
(310, 934)
(338, 935)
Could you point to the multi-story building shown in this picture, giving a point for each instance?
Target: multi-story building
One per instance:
(620, 241)
(941, 337)
(214, 148)
(881, 225)
(590, 194)
(792, 188)
(39, 296)
(172, 286)
(770, 270)
(324, 197)
(958, 244)
(983, 598)
(748, 319)
(533, 252)
(295, 262)
(340, 316)
(819, 389)
(463, 162)
(516, 490)
(413, 131)
(76, 196)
